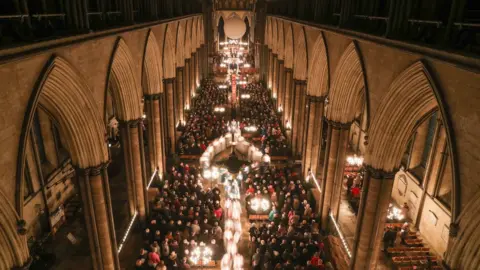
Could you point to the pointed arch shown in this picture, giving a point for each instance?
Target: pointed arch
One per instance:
(194, 35)
(188, 39)
(274, 36)
(280, 40)
(409, 98)
(15, 252)
(121, 80)
(169, 50)
(318, 76)
(268, 33)
(152, 66)
(300, 65)
(180, 43)
(289, 45)
(348, 86)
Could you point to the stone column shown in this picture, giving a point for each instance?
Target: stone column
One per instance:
(148, 104)
(375, 198)
(135, 159)
(171, 112)
(193, 75)
(298, 116)
(339, 167)
(328, 176)
(129, 173)
(281, 85)
(95, 193)
(157, 128)
(270, 69)
(419, 145)
(186, 86)
(287, 115)
(275, 76)
(180, 101)
(313, 131)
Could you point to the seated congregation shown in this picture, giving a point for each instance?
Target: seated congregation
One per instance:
(261, 121)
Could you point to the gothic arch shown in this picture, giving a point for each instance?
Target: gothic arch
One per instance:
(409, 98)
(318, 76)
(188, 39)
(300, 65)
(348, 86)
(289, 45)
(180, 43)
(280, 40)
(14, 247)
(169, 50)
(126, 91)
(268, 33)
(66, 96)
(274, 36)
(152, 66)
(194, 35)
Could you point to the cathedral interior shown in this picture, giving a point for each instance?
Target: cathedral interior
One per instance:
(239, 134)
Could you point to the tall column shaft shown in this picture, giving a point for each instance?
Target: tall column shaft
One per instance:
(275, 76)
(328, 177)
(270, 69)
(298, 117)
(193, 77)
(95, 193)
(375, 198)
(437, 158)
(157, 124)
(171, 112)
(186, 87)
(148, 104)
(137, 168)
(288, 96)
(180, 101)
(129, 173)
(339, 171)
(281, 84)
(312, 140)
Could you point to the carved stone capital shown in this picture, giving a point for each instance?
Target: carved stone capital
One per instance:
(281, 61)
(152, 96)
(338, 125)
(187, 61)
(169, 80)
(275, 55)
(379, 173)
(92, 171)
(454, 228)
(299, 82)
(314, 99)
(288, 70)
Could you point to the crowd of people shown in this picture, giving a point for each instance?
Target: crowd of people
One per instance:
(290, 238)
(204, 124)
(257, 110)
(185, 215)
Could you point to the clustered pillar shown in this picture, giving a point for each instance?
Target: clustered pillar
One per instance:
(375, 198)
(281, 84)
(94, 189)
(186, 87)
(334, 164)
(313, 131)
(171, 112)
(298, 116)
(287, 115)
(180, 101)
(156, 144)
(275, 76)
